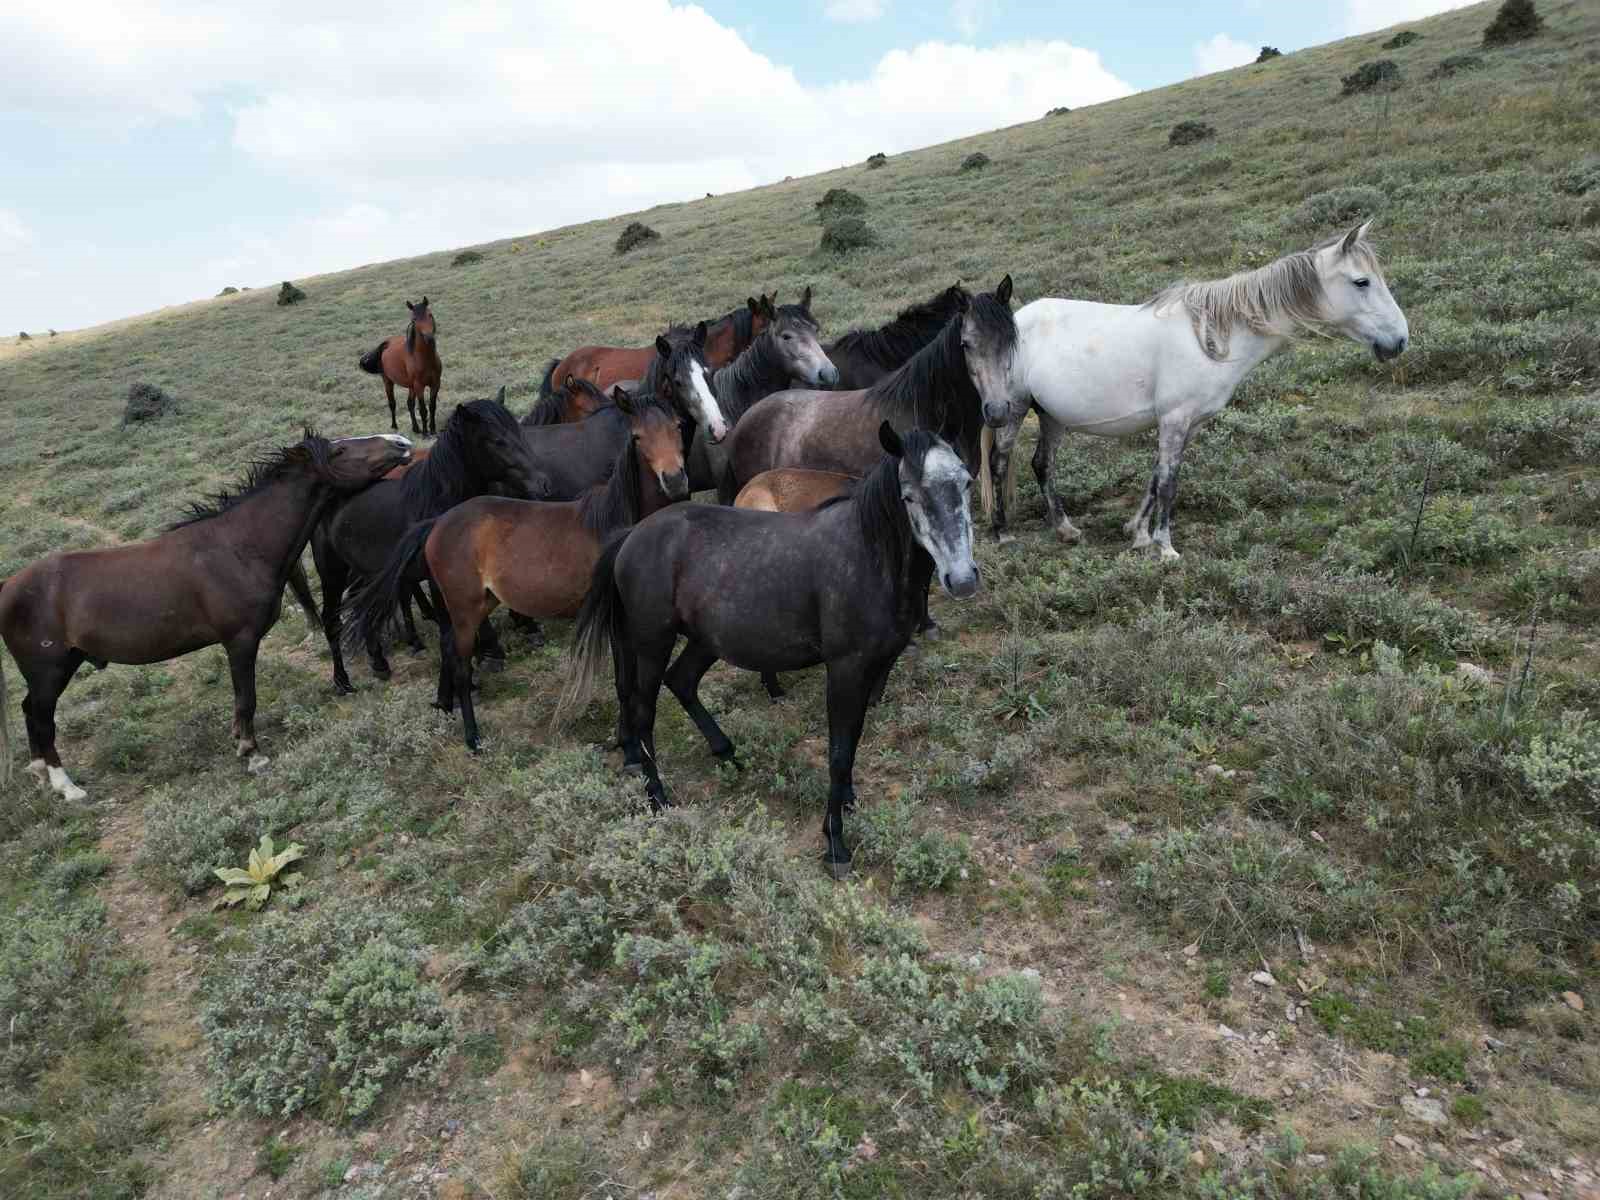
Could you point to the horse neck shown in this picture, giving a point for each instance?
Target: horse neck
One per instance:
(951, 406)
(754, 375)
(1246, 351)
(273, 525)
(900, 558)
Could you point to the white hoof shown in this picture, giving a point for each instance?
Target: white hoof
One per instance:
(1168, 554)
(1068, 532)
(1142, 539)
(62, 783)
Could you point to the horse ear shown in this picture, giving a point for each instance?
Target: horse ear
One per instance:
(622, 399)
(410, 307)
(700, 334)
(501, 397)
(1354, 236)
(805, 299)
(465, 413)
(755, 305)
(1003, 292)
(890, 440)
(424, 303)
(663, 347)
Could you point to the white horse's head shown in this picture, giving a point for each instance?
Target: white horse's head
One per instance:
(1356, 300)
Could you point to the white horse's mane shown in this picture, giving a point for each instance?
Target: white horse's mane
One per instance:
(1276, 300)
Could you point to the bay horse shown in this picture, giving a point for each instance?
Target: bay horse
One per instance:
(480, 446)
(864, 356)
(1173, 363)
(792, 489)
(575, 400)
(840, 585)
(215, 577)
(413, 362)
(607, 366)
(783, 355)
(536, 557)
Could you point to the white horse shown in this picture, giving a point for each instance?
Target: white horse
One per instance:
(1173, 363)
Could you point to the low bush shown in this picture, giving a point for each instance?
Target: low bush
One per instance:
(146, 402)
(839, 202)
(1187, 133)
(1382, 75)
(1268, 53)
(875, 161)
(1454, 65)
(1404, 38)
(635, 235)
(1515, 21)
(1059, 111)
(1339, 206)
(895, 832)
(229, 291)
(846, 234)
(975, 162)
(289, 294)
(466, 258)
(1581, 178)
(322, 1010)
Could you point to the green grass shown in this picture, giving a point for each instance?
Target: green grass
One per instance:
(1266, 749)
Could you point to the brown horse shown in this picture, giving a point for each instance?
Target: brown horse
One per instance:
(412, 362)
(217, 577)
(792, 489)
(534, 556)
(574, 401)
(607, 366)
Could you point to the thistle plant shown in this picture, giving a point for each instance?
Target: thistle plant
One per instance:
(253, 885)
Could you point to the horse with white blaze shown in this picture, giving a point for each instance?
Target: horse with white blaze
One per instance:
(1173, 363)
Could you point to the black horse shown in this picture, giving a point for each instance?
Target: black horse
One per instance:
(843, 585)
(865, 356)
(480, 445)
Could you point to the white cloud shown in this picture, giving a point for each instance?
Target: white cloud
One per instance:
(516, 127)
(14, 234)
(968, 16)
(1363, 16)
(854, 12)
(1221, 53)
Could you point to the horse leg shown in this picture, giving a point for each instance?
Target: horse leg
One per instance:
(388, 390)
(1044, 457)
(1005, 440)
(445, 699)
(412, 396)
(849, 683)
(1139, 524)
(412, 640)
(769, 680)
(684, 677)
(491, 654)
(242, 666)
(433, 408)
(461, 670)
(335, 576)
(1173, 440)
(649, 665)
(529, 627)
(46, 681)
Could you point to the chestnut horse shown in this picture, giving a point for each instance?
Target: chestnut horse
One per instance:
(534, 556)
(216, 577)
(607, 366)
(412, 362)
(574, 401)
(792, 489)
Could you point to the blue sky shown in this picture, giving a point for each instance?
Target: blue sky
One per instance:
(153, 151)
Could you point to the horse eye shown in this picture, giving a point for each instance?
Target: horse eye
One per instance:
(1361, 283)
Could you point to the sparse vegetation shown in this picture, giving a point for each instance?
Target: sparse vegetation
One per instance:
(1331, 737)
(1455, 64)
(1187, 133)
(1382, 75)
(1515, 21)
(635, 235)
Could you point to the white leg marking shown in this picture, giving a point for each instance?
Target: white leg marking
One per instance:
(1067, 531)
(1141, 538)
(36, 768)
(62, 783)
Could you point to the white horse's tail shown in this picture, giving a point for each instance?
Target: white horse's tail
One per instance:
(986, 484)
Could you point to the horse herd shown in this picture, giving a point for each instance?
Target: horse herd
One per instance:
(844, 473)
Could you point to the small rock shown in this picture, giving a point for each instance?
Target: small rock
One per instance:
(1225, 1032)
(1198, 1158)
(1318, 838)
(1406, 1143)
(259, 763)
(1474, 673)
(1191, 949)
(1573, 1001)
(1423, 1092)
(1429, 1112)
(1534, 1196)
(1494, 1044)
(1291, 1012)
(1215, 769)
(1264, 978)
(1316, 1160)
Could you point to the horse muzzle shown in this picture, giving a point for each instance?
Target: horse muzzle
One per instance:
(828, 376)
(996, 416)
(676, 485)
(1387, 353)
(961, 584)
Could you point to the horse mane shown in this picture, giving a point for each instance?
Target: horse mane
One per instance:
(880, 510)
(932, 389)
(547, 410)
(445, 477)
(411, 336)
(1276, 300)
(741, 318)
(740, 384)
(311, 450)
(892, 344)
(615, 504)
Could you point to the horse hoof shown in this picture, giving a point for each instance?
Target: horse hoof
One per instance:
(636, 768)
(930, 632)
(1168, 554)
(1004, 539)
(1069, 533)
(491, 666)
(381, 672)
(839, 870)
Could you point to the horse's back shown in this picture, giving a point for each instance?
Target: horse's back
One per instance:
(792, 489)
(802, 428)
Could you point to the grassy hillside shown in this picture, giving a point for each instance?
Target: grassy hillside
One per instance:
(1348, 742)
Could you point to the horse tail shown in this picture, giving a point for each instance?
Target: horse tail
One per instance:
(372, 360)
(5, 721)
(301, 587)
(599, 624)
(547, 384)
(985, 484)
(370, 611)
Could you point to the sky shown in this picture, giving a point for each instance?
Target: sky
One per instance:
(155, 151)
